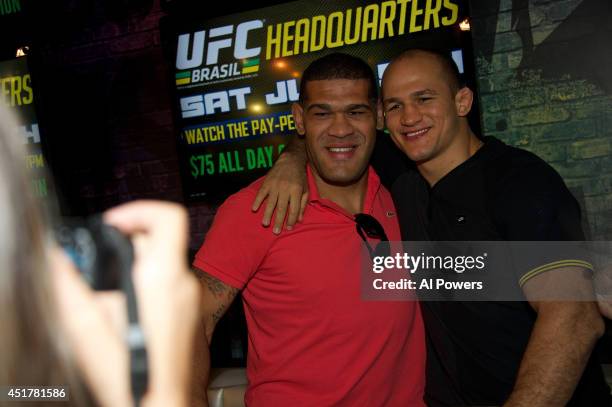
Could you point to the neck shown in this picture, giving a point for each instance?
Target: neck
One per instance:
(349, 197)
(465, 145)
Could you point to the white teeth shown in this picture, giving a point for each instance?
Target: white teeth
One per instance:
(340, 149)
(416, 133)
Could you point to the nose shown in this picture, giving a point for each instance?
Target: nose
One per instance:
(340, 126)
(411, 115)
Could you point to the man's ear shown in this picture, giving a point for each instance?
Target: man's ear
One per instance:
(380, 117)
(298, 116)
(463, 101)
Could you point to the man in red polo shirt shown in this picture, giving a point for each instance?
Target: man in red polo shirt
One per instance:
(312, 340)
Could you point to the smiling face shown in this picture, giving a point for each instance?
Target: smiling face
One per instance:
(424, 112)
(339, 123)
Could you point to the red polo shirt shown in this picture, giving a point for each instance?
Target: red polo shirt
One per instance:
(312, 340)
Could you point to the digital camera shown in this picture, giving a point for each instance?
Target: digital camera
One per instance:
(100, 252)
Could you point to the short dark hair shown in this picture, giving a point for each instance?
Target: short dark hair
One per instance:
(339, 65)
(447, 64)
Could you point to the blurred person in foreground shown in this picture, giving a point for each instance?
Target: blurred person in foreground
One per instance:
(57, 332)
(313, 341)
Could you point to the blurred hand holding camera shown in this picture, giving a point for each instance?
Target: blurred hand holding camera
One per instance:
(167, 296)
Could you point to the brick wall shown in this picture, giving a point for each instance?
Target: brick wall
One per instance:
(564, 117)
(106, 106)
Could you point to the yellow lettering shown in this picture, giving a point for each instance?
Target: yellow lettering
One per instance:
(205, 134)
(386, 20)
(383, 19)
(402, 18)
(28, 89)
(454, 13)
(286, 122)
(348, 39)
(190, 136)
(338, 30)
(318, 26)
(35, 161)
(370, 20)
(221, 132)
(432, 14)
(287, 37)
(255, 126)
(273, 40)
(301, 36)
(237, 130)
(415, 12)
(16, 91)
(4, 87)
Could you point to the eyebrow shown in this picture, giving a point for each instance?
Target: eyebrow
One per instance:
(425, 91)
(324, 106)
(321, 106)
(390, 100)
(356, 106)
(417, 93)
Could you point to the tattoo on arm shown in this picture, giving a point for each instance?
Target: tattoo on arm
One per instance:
(217, 287)
(216, 316)
(224, 293)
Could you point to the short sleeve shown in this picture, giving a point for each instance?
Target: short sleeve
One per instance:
(534, 205)
(236, 243)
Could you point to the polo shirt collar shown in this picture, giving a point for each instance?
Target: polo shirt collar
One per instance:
(372, 189)
(490, 150)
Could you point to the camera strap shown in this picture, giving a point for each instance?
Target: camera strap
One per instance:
(136, 341)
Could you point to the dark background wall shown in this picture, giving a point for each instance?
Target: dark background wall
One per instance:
(545, 86)
(104, 96)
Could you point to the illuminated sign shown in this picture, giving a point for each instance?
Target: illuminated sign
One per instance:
(16, 90)
(192, 49)
(16, 93)
(236, 76)
(9, 7)
(356, 25)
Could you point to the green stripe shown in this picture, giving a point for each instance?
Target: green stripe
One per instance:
(250, 62)
(186, 74)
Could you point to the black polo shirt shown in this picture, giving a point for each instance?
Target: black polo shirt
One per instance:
(500, 193)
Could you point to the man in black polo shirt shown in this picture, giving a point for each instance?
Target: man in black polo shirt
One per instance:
(470, 189)
(481, 353)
